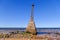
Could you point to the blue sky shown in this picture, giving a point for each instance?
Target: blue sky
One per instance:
(16, 13)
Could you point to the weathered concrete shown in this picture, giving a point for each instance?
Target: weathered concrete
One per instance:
(31, 25)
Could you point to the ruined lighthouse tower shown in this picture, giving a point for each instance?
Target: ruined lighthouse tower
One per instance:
(31, 28)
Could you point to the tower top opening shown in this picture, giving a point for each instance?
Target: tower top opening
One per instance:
(32, 4)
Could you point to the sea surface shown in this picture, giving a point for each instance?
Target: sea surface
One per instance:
(39, 30)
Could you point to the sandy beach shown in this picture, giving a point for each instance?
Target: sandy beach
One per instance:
(36, 37)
